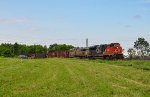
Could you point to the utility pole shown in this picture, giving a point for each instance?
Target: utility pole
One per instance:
(87, 42)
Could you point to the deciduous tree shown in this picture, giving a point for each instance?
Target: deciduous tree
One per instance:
(142, 47)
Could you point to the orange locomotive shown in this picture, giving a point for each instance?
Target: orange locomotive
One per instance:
(113, 51)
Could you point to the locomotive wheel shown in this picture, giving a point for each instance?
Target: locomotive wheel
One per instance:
(89, 57)
(114, 57)
(104, 57)
(121, 57)
(107, 57)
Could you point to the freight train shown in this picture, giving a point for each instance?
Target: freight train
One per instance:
(105, 51)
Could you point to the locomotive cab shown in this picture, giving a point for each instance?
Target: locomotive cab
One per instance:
(113, 50)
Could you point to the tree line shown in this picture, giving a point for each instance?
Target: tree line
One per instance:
(12, 50)
(141, 49)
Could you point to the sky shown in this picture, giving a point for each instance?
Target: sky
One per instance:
(72, 21)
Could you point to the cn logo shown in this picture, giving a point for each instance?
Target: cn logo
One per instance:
(98, 50)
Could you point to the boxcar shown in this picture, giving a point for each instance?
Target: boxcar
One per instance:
(63, 54)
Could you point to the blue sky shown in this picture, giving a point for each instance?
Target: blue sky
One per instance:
(72, 21)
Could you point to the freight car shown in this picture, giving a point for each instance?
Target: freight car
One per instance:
(37, 55)
(59, 54)
(40, 55)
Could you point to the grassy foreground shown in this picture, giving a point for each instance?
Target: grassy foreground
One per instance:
(73, 78)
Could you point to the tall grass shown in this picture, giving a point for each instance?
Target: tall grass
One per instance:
(58, 77)
(139, 64)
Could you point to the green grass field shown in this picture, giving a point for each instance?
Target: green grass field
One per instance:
(73, 78)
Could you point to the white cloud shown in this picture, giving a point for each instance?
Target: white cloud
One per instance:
(13, 20)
